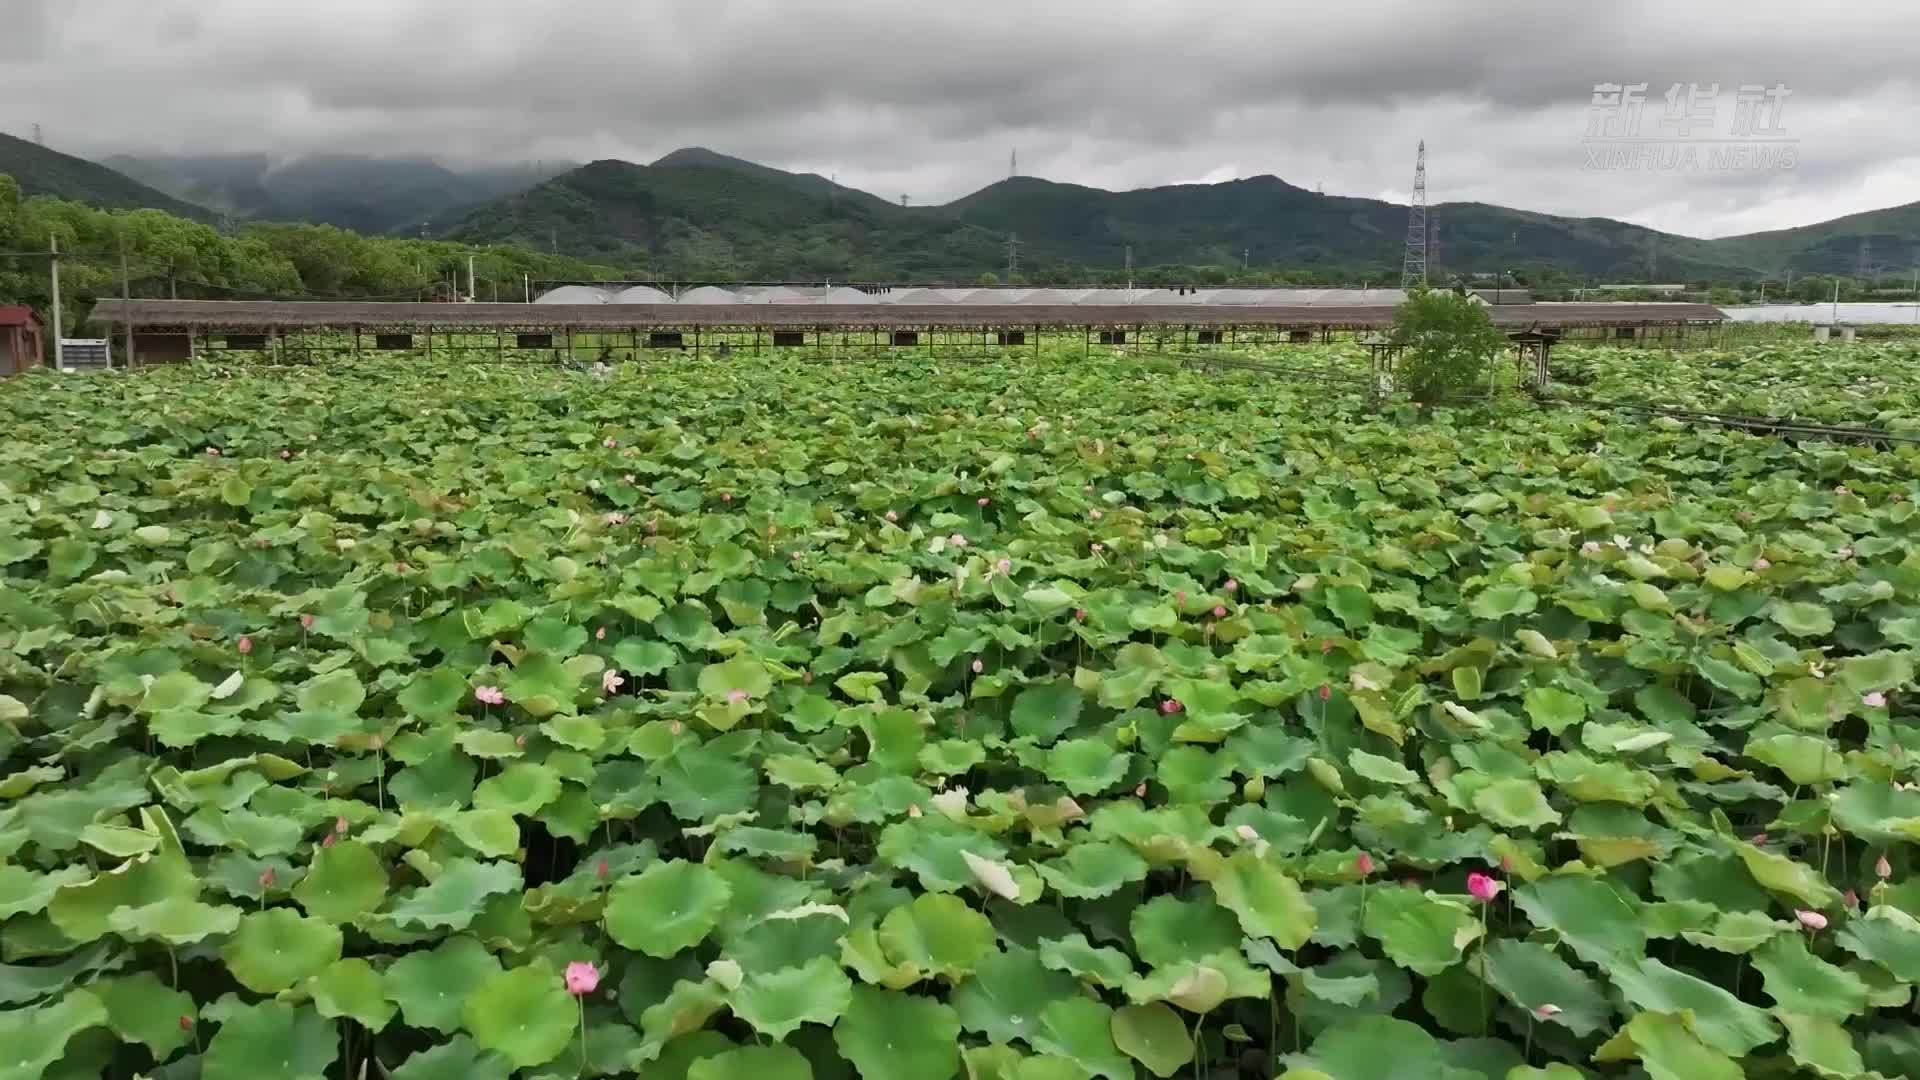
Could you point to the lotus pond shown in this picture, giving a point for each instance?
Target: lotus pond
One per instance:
(1026, 719)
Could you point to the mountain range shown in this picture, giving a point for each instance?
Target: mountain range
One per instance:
(698, 213)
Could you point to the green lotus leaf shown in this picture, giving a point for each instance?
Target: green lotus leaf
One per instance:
(1153, 1035)
(277, 948)
(1006, 994)
(1877, 671)
(435, 695)
(1801, 982)
(1200, 985)
(1554, 710)
(1589, 915)
(521, 789)
(1783, 875)
(523, 1014)
(1092, 870)
(458, 1058)
(1720, 1019)
(1667, 1046)
(752, 1063)
(24, 892)
(1086, 766)
(700, 784)
(1420, 931)
(1081, 1030)
(1349, 990)
(1168, 929)
(175, 920)
(1821, 1045)
(431, 986)
(1362, 1047)
(668, 907)
(543, 684)
(1047, 711)
(938, 934)
(1381, 770)
(334, 693)
(776, 1003)
(1502, 601)
(1076, 956)
(271, 1039)
(490, 833)
(142, 1009)
(1268, 903)
(453, 899)
(344, 881)
(1515, 803)
(890, 1035)
(935, 850)
(1531, 976)
(119, 841)
(1804, 759)
(1801, 619)
(743, 674)
(644, 657)
(351, 988)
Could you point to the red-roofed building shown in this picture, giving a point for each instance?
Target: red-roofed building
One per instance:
(19, 339)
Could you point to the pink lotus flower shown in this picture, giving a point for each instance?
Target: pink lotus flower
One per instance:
(328, 841)
(1850, 898)
(978, 665)
(213, 451)
(520, 741)
(1098, 548)
(957, 540)
(1005, 566)
(1506, 864)
(266, 878)
(627, 477)
(892, 516)
(1079, 614)
(1591, 547)
(1483, 888)
(736, 696)
(244, 645)
(600, 871)
(1325, 691)
(1140, 790)
(1246, 833)
(726, 496)
(1759, 838)
(610, 681)
(1882, 869)
(1842, 490)
(286, 455)
(306, 622)
(1846, 552)
(1812, 920)
(1232, 585)
(609, 442)
(186, 1023)
(982, 500)
(1219, 611)
(616, 518)
(1363, 864)
(1546, 1012)
(489, 695)
(600, 633)
(340, 824)
(1874, 700)
(582, 978)
(1761, 563)
(1180, 599)
(1169, 707)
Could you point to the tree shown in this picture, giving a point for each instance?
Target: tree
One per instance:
(1449, 342)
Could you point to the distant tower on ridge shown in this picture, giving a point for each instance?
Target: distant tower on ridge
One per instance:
(1013, 163)
(1413, 268)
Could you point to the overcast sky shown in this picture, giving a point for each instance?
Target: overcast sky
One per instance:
(928, 98)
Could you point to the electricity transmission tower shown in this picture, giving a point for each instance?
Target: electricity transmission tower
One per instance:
(1864, 267)
(1013, 163)
(1413, 269)
(1013, 256)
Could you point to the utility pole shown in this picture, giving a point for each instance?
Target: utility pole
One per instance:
(1413, 267)
(39, 137)
(1013, 163)
(526, 282)
(473, 289)
(1129, 267)
(126, 304)
(59, 350)
(1013, 256)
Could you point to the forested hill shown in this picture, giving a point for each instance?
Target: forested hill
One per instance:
(40, 171)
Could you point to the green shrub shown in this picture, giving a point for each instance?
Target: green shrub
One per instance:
(1449, 342)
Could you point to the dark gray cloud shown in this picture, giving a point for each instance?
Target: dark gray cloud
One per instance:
(927, 99)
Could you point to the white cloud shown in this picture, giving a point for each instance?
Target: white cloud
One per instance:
(927, 99)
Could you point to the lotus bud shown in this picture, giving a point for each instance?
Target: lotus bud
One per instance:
(1882, 869)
